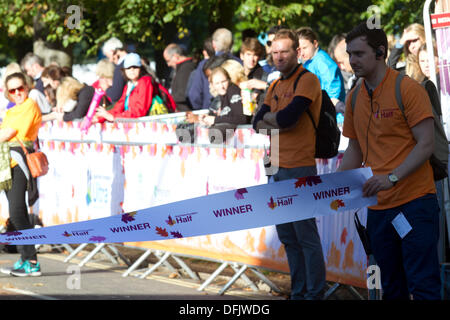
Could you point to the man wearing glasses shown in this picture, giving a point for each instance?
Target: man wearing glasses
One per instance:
(113, 50)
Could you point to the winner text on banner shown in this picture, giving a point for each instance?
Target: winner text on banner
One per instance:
(246, 208)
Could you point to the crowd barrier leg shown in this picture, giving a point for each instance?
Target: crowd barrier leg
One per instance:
(119, 255)
(331, 290)
(162, 260)
(138, 262)
(75, 252)
(186, 268)
(102, 247)
(160, 255)
(266, 280)
(156, 265)
(337, 286)
(213, 276)
(91, 254)
(59, 247)
(239, 273)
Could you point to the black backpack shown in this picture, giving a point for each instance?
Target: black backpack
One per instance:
(328, 134)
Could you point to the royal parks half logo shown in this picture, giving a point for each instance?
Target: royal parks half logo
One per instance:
(281, 201)
(181, 218)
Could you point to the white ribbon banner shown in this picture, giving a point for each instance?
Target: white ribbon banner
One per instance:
(246, 208)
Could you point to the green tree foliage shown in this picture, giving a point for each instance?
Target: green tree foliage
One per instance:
(156, 23)
(398, 14)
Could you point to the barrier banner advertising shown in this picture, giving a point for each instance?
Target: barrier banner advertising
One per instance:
(258, 206)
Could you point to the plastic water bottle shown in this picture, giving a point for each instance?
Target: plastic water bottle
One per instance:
(247, 102)
(98, 94)
(340, 118)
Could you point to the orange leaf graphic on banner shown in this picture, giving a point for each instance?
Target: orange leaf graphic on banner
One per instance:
(170, 221)
(344, 235)
(162, 232)
(336, 204)
(310, 181)
(272, 205)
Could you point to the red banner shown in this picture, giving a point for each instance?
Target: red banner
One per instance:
(440, 20)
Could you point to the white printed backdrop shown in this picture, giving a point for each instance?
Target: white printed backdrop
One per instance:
(93, 180)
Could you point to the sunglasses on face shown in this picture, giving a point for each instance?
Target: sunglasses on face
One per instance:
(413, 40)
(14, 91)
(268, 43)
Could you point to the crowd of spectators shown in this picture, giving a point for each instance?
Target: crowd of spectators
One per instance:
(62, 97)
(225, 84)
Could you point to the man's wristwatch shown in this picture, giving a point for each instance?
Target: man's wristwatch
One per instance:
(393, 178)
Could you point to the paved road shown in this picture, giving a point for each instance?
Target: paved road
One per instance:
(100, 280)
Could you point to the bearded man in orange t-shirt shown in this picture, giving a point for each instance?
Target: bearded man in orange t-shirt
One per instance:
(285, 109)
(403, 227)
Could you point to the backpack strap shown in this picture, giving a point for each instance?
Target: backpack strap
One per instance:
(398, 93)
(298, 78)
(355, 94)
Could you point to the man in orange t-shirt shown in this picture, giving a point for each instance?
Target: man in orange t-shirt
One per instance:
(284, 109)
(403, 227)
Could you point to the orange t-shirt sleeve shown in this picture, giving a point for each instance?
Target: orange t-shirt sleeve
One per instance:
(415, 101)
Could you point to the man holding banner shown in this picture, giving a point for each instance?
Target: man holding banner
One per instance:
(403, 227)
(283, 110)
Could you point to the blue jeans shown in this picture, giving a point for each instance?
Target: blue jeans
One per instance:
(303, 247)
(409, 265)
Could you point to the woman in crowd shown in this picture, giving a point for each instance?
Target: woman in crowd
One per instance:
(51, 78)
(34, 94)
(235, 71)
(22, 121)
(72, 100)
(422, 57)
(320, 63)
(230, 110)
(412, 39)
(105, 72)
(138, 94)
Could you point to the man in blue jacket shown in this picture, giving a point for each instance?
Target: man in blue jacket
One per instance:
(320, 63)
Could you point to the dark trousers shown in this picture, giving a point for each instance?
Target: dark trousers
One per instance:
(301, 241)
(409, 265)
(18, 210)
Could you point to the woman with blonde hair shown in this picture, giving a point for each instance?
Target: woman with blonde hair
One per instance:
(424, 63)
(235, 70)
(230, 109)
(105, 73)
(412, 39)
(72, 100)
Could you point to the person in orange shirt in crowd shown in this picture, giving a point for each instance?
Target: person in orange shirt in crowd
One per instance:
(403, 227)
(22, 121)
(285, 110)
